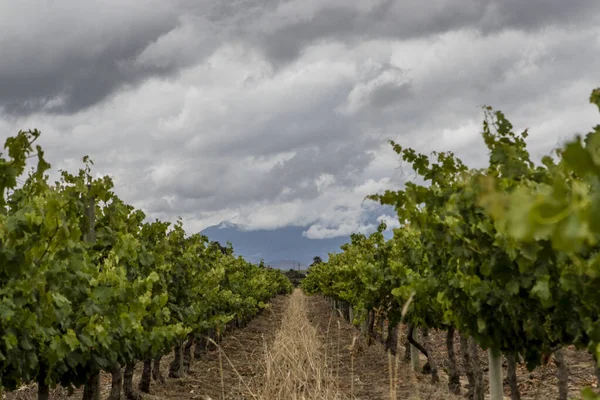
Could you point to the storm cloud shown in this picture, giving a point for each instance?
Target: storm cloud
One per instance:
(272, 113)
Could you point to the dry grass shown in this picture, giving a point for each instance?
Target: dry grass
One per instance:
(297, 365)
(307, 352)
(300, 366)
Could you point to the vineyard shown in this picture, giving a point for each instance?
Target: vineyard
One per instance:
(503, 258)
(87, 286)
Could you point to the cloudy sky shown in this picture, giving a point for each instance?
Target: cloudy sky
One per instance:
(269, 113)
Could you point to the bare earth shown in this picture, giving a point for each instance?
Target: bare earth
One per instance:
(333, 362)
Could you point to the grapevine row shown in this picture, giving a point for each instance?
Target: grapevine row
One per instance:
(87, 285)
(506, 255)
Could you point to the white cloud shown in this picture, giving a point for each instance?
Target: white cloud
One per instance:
(277, 113)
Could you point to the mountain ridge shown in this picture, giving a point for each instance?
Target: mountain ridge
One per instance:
(280, 246)
(287, 246)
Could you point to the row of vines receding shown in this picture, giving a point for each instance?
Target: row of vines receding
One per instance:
(88, 284)
(507, 256)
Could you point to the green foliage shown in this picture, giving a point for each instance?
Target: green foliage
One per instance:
(316, 260)
(295, 277)
(557, 218)
(507, 254)
(73, 303)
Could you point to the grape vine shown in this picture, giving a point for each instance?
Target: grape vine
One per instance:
(506, 255)
(87, 285)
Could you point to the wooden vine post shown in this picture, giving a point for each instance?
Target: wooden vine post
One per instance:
(90, 237)
(496, 387)
(415, 363)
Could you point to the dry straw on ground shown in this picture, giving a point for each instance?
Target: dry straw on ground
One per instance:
(297, 365)
(302, 363)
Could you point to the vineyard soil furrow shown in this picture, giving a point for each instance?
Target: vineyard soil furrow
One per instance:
(241, 361)
(537, 384)
(367, 365)
(300, 348)
(243, 347)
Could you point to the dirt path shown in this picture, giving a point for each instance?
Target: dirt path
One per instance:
(242, 362)
(297, 349)
(299, 363)
(300, 349)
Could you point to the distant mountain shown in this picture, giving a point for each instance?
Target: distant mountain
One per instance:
(282, 248)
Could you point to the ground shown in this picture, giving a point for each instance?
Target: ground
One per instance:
(299, 348)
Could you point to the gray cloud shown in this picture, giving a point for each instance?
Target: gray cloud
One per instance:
(270, 113)
(285, 31)
(67, 57)
(390, 94)
(79, 57)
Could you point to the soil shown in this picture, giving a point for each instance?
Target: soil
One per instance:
(540, 383)
(240, 362)
(362, 370)
(243, 347)
(368, 365)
